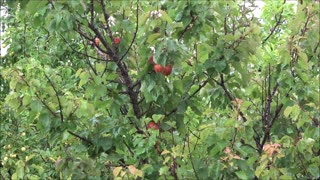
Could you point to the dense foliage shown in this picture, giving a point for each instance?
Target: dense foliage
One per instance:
(80, 98)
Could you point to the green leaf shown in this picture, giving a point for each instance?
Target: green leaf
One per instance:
(165, 17)
(303, 60)
(84, 77)
(20, 169)
(261, 168)
(220, 65)
(241, 175)
(153, 37)
(172, 47)
(33, 6)
(164, 170)
(287, 111)
(105, 143)
(36, 106)
(38, 168)
(203, 50)
(295, 112)
(143, 18)
(99, 67)
(44, 122)
(180, 124)
(157, 117)
(314, 170)
(178, 86)
(26, 100)
(78, 72)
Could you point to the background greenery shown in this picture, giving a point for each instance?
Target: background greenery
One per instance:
(242, 101)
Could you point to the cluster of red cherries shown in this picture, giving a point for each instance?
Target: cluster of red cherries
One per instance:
(158, 68)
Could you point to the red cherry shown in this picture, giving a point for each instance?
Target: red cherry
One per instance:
(117, 40)
(158, 68)
(151, 60)
(167, 70)
(97, 41)
(153, 125)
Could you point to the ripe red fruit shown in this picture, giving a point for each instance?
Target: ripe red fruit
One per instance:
(117, 40)
(153, 125)
(167, 70)
(151, 60)
(158, 68)
(97, 41)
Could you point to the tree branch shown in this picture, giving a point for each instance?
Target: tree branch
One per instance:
(106, 18)
(203, 84)
(191, 160)
(273, 29)
(128, 147)
(81, 138)
(38, 96)
(222, 84)
(267, 109)
(91, 11)
(270, 125)
(74, 50)
(134, 35)
(56, 92)
(199, 88)
(245, 144)
(193, 20)
(122, 68)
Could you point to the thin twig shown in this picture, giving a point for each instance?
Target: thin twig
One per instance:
(194, 18)
(199, 88)
(91, 11)
(270, 125)
(234, 137)
(203, 84)
(74, 50)
(191, 159)
(134, 35)
(106, 18)
(88, 60)
(222, 84)
(122, 70)
(81, 138)
(249, 145)
(58, 98)
(273, 29)
(131, 152)
(38, 96)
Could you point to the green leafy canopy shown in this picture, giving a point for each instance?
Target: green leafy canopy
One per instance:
(80, 98)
